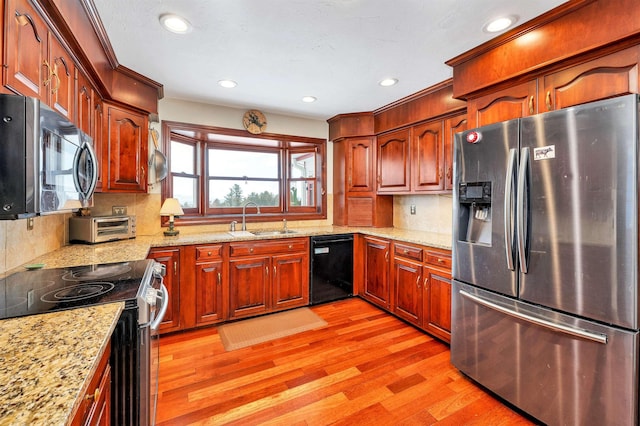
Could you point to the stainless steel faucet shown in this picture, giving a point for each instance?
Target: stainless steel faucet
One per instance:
(244, 214)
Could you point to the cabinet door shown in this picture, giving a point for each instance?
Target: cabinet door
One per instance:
(127, 147)
(26, 50)
(84, 104)
(62, 81)
(290, 280)
(360, 165)
(407, 288)
(209, 293)
(452, 126)
(437, 302)
(514, 102)
(427, 157)
(170, 258)
(376, 271)
(606, 77)
(394, 167)
(97, 133)
(248, 286)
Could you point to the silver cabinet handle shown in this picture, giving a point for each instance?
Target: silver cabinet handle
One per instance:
(508, 209)
(596, 337)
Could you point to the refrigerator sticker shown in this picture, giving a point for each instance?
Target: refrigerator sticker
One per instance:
(544, 153)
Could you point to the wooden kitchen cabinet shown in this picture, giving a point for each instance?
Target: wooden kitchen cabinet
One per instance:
(97, 133)
(394, 165)
(427, 156)
(604, 77)
(376, 271)
(513, 102)
(267, 276)
(125, 150)
(209, 281)
(437, 293)
(170, 258)
(37, 64)
(355, 200)
(452, 125)
(84, 104)
(407, 285)
(95, 406)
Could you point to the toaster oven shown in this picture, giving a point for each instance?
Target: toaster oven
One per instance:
(99, 229)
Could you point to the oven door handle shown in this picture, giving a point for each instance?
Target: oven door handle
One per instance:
(162, 295)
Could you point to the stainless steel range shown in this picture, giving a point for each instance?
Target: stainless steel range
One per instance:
(139, 285)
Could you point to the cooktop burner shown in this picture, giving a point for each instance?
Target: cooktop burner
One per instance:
(77, 292)
(46, 290)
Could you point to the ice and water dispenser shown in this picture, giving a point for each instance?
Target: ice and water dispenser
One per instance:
(475, 212)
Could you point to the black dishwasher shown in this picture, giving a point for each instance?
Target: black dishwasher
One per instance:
(331, 268)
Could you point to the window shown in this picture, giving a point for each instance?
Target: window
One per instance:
(214, 172)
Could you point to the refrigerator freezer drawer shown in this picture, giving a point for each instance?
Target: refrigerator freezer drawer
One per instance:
(560, 369)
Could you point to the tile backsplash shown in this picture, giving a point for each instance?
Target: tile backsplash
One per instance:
(434, 213)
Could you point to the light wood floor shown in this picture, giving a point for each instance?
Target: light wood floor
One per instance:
(364, 368)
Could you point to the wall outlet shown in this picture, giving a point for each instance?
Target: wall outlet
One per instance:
(29, 224)
(412, 209)
(118, 210)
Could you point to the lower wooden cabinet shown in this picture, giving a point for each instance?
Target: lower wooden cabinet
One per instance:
(95, 407)
(209, 281)
(170, 258)
(376, 271)
(415, 285)
(268, 276)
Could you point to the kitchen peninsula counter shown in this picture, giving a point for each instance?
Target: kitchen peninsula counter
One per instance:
(47, 361)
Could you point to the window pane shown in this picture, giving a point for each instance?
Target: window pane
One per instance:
(303, 165)
(235, 193)
(229, 163)
(302, 194)
(183, 158)
(186, 191)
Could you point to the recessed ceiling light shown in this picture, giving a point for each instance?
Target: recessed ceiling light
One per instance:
(309, 99)
(175, 24)
(388, 82)
(499, 24)
(229, 84)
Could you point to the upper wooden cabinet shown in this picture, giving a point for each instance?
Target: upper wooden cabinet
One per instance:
(427, 154)
(124, 150)
(355, 202)
(452, 125)
(514, 102)
(394, 167)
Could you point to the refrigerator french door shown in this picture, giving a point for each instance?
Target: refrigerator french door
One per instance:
(545, 302)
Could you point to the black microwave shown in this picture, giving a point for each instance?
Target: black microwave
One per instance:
(47, 164)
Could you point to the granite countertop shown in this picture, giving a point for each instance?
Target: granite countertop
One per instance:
(47, 362)
(138, 248)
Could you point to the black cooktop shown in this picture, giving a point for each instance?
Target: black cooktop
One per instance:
(46, 290)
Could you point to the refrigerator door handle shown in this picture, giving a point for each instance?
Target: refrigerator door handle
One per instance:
(522, 205)
(583, 334)
(508, 208)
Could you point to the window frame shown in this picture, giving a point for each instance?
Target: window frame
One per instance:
(201, 137)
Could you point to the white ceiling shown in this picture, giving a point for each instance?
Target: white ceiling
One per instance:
(281, 50)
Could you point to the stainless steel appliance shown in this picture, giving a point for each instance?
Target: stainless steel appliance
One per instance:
(47, 164)
(331, 268)
(139, 285)
(545, 249)
(99, 229)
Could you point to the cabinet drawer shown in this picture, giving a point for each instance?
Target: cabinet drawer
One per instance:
(209, 252)
(442, 260)
(409, 252)
(268, 247)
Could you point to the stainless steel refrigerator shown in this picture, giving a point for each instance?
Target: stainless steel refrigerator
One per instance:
(545, 250)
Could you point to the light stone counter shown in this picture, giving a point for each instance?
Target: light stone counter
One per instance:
(138, 248)
(47, 361)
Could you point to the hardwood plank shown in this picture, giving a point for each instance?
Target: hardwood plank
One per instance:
(365, 367)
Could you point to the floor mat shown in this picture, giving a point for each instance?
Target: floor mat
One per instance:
(269, 327)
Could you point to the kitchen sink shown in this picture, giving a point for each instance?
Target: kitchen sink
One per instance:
(267, 233)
